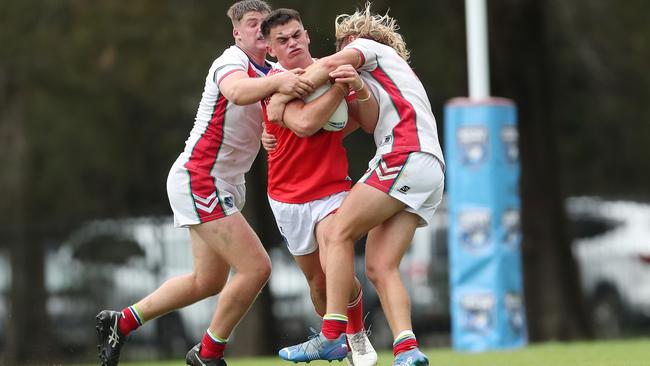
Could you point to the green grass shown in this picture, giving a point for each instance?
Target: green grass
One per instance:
(611, 353)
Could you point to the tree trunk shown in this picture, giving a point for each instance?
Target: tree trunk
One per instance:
(27, 340)
(522, 60)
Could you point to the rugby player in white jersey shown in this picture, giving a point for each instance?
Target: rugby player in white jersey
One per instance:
(308, 175)
(206, 192)
(400, 191)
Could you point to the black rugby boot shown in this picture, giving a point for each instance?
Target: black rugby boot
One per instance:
(109, 338)
(193, 358)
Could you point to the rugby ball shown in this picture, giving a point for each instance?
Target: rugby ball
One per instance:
(339, 118)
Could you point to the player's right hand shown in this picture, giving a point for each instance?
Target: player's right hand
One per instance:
(268, 141)
(292, 83)
(347, 74)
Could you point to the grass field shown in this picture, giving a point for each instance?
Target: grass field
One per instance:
(611, 353)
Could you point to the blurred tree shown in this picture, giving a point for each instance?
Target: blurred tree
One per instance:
(601, 93)
(26, 254)
(578, 72)
(523, 65)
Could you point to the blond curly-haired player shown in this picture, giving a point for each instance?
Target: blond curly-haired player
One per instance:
(403, 184)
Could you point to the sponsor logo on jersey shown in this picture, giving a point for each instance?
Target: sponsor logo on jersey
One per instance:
(473, 144)
(206, 204)
(477, 312)
(228, 202)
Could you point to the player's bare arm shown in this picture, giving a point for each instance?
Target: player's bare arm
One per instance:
(355, 110)
(318, 74)
(364, 109)
(352, 124)
(276, 105)
(241, 89)
(270, 143)
(304, 119)
(319, 71)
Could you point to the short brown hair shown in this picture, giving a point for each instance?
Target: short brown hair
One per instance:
(237, 11)
(278, 17)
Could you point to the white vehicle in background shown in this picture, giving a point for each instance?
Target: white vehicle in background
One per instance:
(111, 264)
(612, 247)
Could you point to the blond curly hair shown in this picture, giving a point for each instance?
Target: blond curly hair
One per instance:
(364, 24)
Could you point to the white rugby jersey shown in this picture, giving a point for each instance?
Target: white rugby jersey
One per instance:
(225, 138)
(406, 122)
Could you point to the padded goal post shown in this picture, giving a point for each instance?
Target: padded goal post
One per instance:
(481, 148)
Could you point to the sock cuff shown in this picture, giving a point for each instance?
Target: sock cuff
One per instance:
(404, 335)
(215, 338)
(136, 315)
(336, 317)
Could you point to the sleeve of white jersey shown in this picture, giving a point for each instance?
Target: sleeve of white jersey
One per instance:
(273, 71)
(229, 62)
(366, 49)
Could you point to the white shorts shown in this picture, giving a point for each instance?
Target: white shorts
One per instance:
(297, 221)
(414, 178)
(197, 197)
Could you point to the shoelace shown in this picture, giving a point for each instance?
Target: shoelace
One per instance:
(313, 338)
(358, 340)
(114, 337)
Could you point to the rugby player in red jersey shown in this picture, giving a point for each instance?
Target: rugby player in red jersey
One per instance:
(308, 177)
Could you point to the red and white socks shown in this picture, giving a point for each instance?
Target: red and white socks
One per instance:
(334, 325)
(130, 320)
(355, 315)
(212, 346)
(405, 341)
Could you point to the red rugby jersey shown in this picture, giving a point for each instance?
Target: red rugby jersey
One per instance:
(303, 169)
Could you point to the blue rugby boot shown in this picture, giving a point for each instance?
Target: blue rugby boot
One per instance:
(316, 348)
(411, 358)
